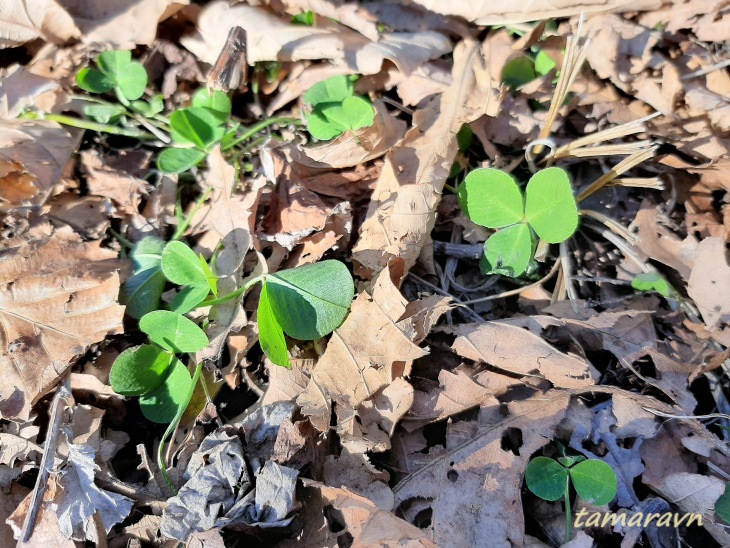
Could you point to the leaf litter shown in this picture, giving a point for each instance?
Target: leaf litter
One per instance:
(413, 422)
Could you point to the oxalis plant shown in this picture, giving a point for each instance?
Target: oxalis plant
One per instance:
(305, 303)
(594, 481)
(335, 108)
(187, 135)
(547, 210)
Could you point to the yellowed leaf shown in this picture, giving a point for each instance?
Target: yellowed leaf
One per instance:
(58, 296)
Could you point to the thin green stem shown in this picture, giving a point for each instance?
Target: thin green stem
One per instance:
(253, 130)
(95, 126)
(240, 291)
(568, 516)
(183, 226)
(173, 425)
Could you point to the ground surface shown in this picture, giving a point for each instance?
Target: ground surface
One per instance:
(414, 422)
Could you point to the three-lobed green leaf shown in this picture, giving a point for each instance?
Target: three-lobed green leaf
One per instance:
(271, 334)
(177, 160)
(173, 331)
(116, 71)
(217, 102)
(197, 126)
(335, 108)
(332, 90)
(653, 281)
(492, 198)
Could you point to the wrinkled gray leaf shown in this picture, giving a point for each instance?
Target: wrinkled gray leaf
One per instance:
(82, 498)
(262, 428)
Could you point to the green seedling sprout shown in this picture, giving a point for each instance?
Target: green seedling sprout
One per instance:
(594, 481)
(492, 198)
(336, 108)
(653, 281)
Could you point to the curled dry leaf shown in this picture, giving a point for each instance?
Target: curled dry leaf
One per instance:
(270, 38)
(518, 351)
(18, 88)
(34, 155)
(58, 296)
(403, 208)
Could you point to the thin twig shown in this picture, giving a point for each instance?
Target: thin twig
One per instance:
(61, 401)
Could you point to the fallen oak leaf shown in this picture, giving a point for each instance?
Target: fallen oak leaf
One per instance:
(58, 295)
(24, 20)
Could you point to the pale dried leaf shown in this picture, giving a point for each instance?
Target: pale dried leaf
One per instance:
(122, 24)
(59, 295)
(356, 473)
(14, 447)
(270, 38)
(25, 20)
(18, 89)
(475, 490)
(484, 12)
(518, 351)
(707, 282)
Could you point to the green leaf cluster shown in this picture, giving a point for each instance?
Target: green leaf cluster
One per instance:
(306, 303)
(157, 263)
(197, 129)
(336, 108)
(116, 72)
(492, 198)
(153, 371)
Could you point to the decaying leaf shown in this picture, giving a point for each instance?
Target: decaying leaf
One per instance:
(39, 151)
(402, 211)
(709, 275)
(59, 295)
(25, 20)
(516, 350)
(270, 38)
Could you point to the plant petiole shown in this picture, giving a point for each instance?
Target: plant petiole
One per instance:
(94, 126)
(185, 223)
(240, 291)
(253, 130)
(568, 516)
(173, 425)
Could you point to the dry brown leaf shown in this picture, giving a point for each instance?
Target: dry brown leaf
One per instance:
(58, 296)
(708, 285)
(707, 19)
(87, 215)
(285, 384)
(41, 149)
(370, 427)
(369, 526)
(14, 447)
(659, 243)
(402, 211)
(485, 12)
(455, 393)
(105, 177)
(516, 350)
(122, 24)
(367, 352)
(228, 210)
(25, 20)
(271, 38)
